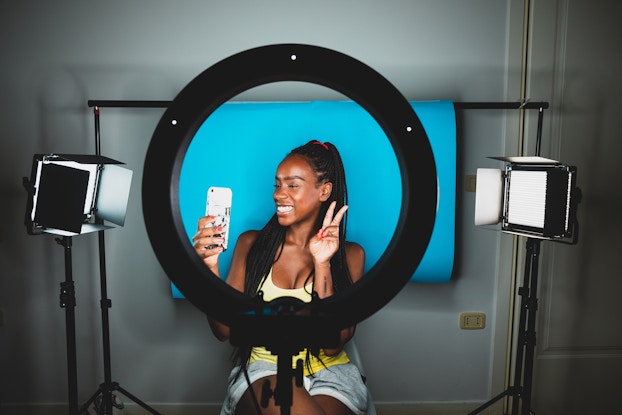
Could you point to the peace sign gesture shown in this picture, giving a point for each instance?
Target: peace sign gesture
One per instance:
(325, 242)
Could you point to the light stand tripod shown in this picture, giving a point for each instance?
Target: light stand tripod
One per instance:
(108, 386)
(523, 367)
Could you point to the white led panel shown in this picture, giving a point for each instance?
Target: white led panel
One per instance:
(527, 198)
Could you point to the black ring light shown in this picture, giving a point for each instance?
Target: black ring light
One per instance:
(275, 63)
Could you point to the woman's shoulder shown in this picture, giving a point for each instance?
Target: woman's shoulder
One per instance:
(355, 256)
(248, 237)
(354, 248)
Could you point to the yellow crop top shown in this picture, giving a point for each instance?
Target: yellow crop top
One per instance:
(270, 292)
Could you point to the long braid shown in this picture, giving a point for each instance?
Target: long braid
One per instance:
(259, 260)
(262, 255)
(325, 160)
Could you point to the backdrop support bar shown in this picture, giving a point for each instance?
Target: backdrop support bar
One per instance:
(457, 105)
(128, 104)
(501, 105)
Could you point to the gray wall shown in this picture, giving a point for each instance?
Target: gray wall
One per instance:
(58, 55)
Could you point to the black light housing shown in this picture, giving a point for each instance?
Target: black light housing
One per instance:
(72, 194)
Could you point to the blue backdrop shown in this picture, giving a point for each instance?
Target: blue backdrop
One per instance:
(240, 145)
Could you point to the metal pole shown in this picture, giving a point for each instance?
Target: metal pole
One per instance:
(105, 302)
(539, 132)
(68, 302)
(530, 333)
(458, 105)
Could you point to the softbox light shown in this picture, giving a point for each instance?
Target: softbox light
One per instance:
(533, 196)
(72, 194)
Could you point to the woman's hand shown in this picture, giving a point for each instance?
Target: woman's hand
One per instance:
(207, 242)
(325, 243)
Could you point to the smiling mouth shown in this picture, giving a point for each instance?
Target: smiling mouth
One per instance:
(284, 209)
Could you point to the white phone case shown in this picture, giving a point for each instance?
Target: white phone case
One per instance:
(219, 205)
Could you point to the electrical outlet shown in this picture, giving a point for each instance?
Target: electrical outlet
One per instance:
(472, 321)
(470, 183)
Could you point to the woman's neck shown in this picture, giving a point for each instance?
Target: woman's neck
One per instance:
(299, 234)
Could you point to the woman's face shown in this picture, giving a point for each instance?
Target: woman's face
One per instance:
(297, 193)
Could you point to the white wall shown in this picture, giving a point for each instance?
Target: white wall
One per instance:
(58, 55)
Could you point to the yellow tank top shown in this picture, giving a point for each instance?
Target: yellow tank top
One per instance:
(270, 292)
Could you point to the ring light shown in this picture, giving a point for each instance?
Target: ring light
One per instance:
(275, 63)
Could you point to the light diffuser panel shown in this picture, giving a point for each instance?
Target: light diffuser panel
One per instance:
(527, 198)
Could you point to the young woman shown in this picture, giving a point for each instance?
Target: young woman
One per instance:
(301, 252)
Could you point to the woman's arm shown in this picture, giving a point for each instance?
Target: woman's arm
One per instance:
(355, 256)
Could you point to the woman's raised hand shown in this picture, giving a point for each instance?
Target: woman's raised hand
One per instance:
(207, 242)
(325, 242)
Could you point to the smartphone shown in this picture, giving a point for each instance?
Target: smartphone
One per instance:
(219, 205)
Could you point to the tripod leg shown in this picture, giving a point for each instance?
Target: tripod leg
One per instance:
(90, 401)
(512, 391)
(136, 400)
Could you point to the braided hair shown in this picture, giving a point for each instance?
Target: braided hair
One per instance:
(326, 162)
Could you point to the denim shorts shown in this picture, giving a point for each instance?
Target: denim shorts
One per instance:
(343, 382)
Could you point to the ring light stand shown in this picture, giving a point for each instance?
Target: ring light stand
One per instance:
(177, 127)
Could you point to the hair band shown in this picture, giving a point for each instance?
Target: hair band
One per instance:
(322, 144)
